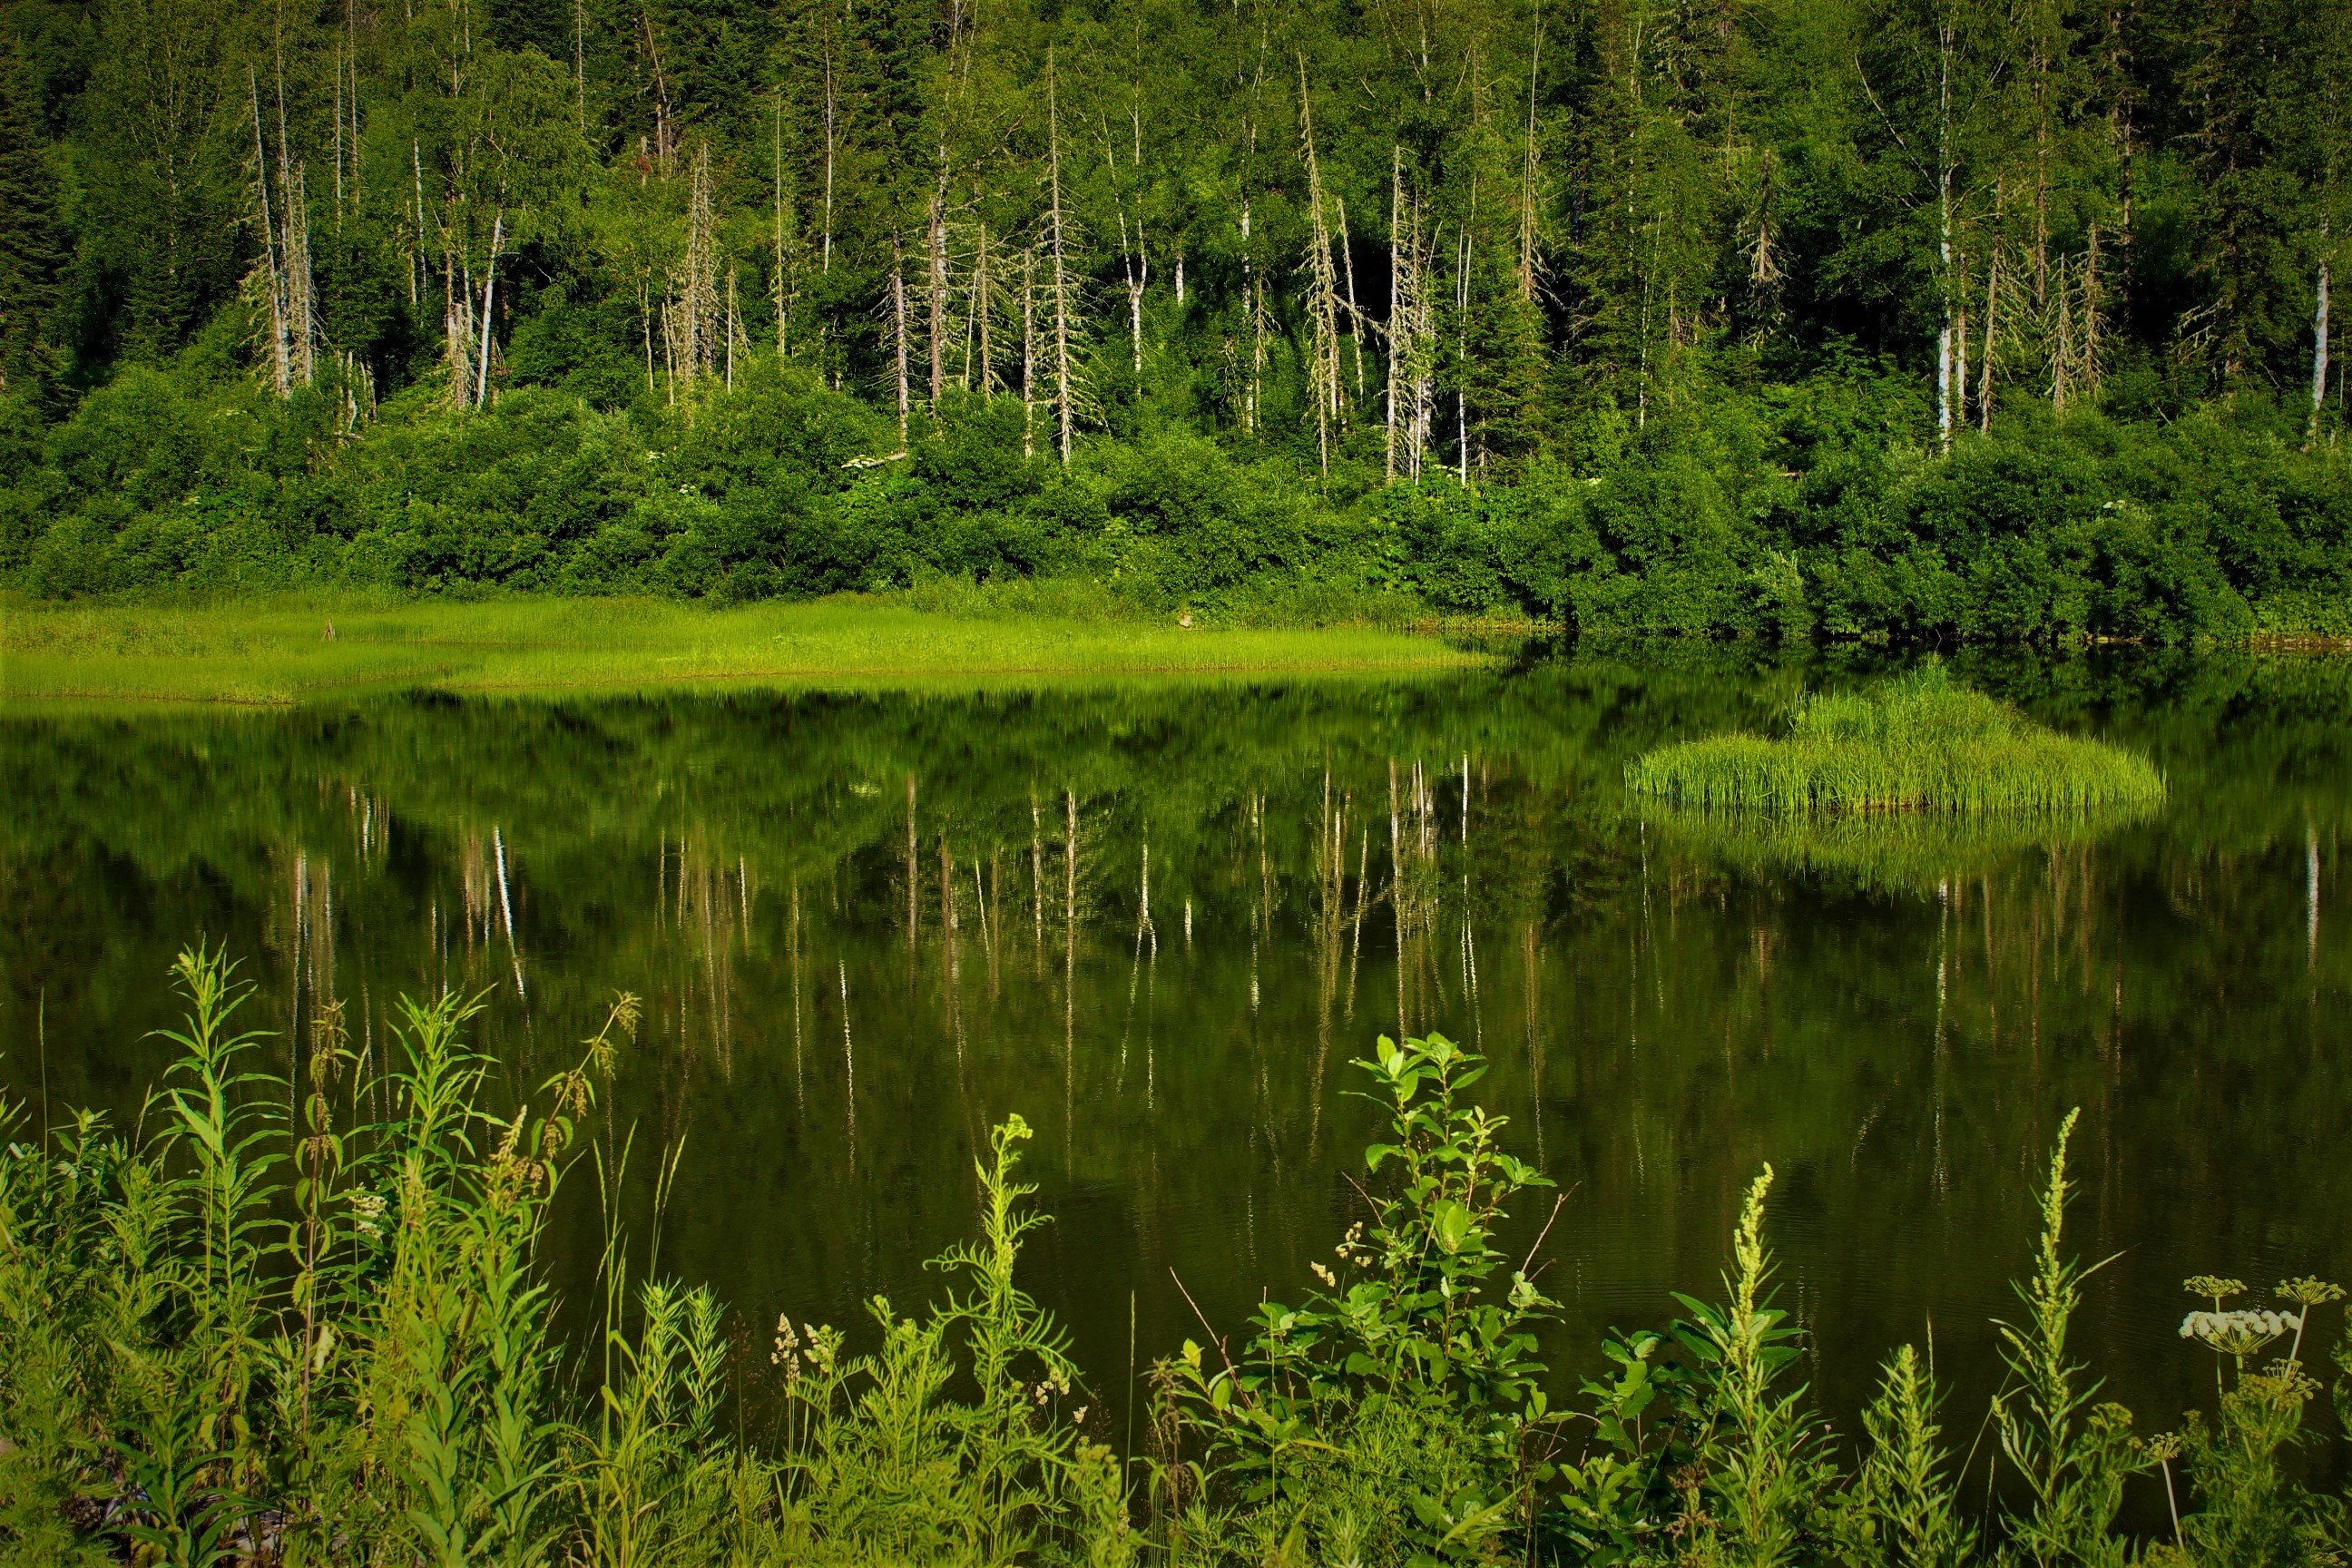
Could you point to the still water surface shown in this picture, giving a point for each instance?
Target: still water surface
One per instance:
(1159, 921)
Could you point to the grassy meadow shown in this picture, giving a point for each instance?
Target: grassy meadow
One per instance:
(289, 650)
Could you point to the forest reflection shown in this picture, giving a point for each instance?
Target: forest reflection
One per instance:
(1159, 923)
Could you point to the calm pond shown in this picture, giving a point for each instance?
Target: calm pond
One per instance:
(1159, 921)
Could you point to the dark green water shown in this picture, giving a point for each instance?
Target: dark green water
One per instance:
(1158, 922)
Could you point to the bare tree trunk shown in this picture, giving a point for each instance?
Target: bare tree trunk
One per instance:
(780, 290)
(1944, 239)
(280, 361)
(1065, 389)
(455, 330)
(937, 238)
(1322, 290)
(1029, 352)
(301, 287)
(2319, 341)
(1528, 175)
(489, 286)
(982, 307)
(898, 334)
(1993, 310)
(2061, 352)
(699, 307)
(418, 277)
(2094, 310)
(1396, 296)
(1462, 355)
(1960, 352)
(1138, 265)
(1355, 313)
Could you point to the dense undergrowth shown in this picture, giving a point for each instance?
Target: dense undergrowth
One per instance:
(1919, 744)
(309, 1324)
(1805, 510)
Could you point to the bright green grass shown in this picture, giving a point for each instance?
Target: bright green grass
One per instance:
(1920, 744)
(280, 652)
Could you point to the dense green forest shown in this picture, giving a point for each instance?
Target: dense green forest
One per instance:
(1937, 318)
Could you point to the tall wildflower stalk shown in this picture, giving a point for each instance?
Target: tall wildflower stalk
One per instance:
(2070, 1455)
(1750, 1494)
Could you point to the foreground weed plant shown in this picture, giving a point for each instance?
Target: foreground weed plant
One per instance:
(268, 1330)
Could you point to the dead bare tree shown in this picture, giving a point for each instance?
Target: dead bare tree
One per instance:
(1063, 286)
(1323, 385)
(935, 236)
(898, 327)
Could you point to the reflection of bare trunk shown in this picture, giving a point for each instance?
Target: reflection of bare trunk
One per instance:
(849, 1066)
(1069, 961)
(948, 920)
(793, 958)
(1356, 926)
(912, 886)
(2311, 895)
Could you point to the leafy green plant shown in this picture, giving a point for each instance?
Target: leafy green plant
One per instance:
(1420, 1376)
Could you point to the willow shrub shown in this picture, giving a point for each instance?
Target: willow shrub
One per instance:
(1918, 744)
(258, 1334)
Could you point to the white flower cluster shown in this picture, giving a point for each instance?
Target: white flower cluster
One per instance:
(2226, 1331)
(367, 1211)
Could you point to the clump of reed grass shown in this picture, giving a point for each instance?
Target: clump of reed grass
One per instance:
(1918, 745)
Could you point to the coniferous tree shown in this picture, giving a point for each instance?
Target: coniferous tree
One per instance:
(32, 242)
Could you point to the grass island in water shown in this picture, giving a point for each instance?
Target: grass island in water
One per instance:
(1920, 744)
